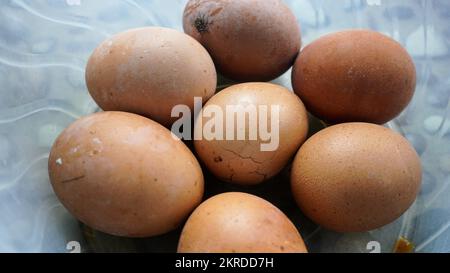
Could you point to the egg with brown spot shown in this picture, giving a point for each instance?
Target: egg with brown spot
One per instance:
(239, 223)
(356, 177)
(148, 71)
(249, 40)
(355, 76)
(271, 113)
(125, 175)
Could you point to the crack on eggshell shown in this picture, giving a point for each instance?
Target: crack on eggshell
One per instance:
(216, 11)
(244, 157)
(73, 179)
(257, 172)
(231, 177)
(259, 163)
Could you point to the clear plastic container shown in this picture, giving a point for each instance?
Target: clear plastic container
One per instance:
(44, 45)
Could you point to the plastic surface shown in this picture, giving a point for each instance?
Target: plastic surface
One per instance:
(44, 45)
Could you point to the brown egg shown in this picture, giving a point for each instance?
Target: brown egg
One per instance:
(125, 175)
(249, 40)
(356, 75)
(148, 71)
(250, 160)
(239, 223)
(356, 177)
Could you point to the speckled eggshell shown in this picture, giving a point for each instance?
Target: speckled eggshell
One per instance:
(243, 161)
(239, 223)
(249, 40)
(356, 177)
(148, 71)
(125, 175)
(355, 76)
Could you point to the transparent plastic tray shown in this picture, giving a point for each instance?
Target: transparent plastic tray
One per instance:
(44, 45)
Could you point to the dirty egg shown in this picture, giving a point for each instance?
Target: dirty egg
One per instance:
(248, 40)
(117, 189)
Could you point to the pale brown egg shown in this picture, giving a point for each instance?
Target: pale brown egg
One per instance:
(356, 177)
(239, 223)
(249, 40)
(355, 76)
(273, 127)
(125, 175)
(148, 71)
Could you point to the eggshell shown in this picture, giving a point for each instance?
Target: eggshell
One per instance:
(244, 161)
(239, 223)
(356, 177)
(125, 175)
(148, 71)
(249, 40)
(355, 76)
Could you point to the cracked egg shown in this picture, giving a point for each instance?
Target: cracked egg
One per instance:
(249, 132)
